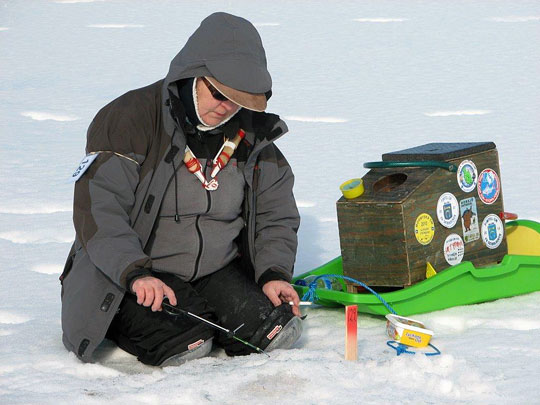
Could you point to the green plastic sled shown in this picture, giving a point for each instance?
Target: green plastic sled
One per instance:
(463, 284)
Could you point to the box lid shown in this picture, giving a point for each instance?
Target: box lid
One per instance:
(438, 151)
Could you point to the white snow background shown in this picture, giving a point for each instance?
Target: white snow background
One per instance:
(353, 80)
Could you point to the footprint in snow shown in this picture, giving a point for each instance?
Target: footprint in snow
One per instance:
(115, 26)
(7, 317)
(305, 204)
(327, 120)
(48, 268)
(46, 116)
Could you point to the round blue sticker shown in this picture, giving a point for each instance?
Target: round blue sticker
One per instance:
(489, 186)
(492, 231)
(448, 210)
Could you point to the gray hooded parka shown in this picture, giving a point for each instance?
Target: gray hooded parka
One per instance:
(117, 200)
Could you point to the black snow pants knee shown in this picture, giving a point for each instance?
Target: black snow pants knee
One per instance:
(155, 336)
(227, 297)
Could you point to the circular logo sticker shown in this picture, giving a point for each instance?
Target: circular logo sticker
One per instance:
(492, 231)
(467, 176)
(448, 210)
(454, 249)
(489, 186)
(424, 229)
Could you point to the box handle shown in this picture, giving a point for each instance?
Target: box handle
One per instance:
(428, 163)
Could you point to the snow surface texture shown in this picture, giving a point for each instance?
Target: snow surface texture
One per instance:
(355, 79)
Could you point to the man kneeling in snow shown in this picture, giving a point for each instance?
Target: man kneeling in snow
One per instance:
(183, 195)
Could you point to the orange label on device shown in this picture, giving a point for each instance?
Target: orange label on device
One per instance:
(195, 344)
(274, 332)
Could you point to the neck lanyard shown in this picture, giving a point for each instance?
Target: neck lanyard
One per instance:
(219, 162)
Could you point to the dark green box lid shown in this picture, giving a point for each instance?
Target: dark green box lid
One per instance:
(438, 151)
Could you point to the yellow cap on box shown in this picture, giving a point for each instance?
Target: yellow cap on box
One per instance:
(352, 188)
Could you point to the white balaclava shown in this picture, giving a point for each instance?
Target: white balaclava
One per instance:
(203, 127)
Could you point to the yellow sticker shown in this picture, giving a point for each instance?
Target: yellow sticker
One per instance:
(424, 229)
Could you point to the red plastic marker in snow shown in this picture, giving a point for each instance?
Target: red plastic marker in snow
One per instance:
(351, 334)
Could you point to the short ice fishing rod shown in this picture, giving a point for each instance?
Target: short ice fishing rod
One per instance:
(175, 311)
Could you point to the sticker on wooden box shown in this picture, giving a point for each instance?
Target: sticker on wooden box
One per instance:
(489, 186)
(447, 210)
(467, 176)
(454, 249)
(469, 219)
(424, 229)
(492, 231)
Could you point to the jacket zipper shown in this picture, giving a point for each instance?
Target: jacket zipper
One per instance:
(199, 234)
(251, 217)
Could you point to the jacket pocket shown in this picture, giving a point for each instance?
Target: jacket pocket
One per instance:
(69, 263)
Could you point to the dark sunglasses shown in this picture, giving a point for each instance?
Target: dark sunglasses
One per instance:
(213, 91)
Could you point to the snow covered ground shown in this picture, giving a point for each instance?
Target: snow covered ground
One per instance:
(353, 80)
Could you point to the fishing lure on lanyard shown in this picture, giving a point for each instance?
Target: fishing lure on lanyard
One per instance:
(194, 166)
(220, 161)
(226, 152)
